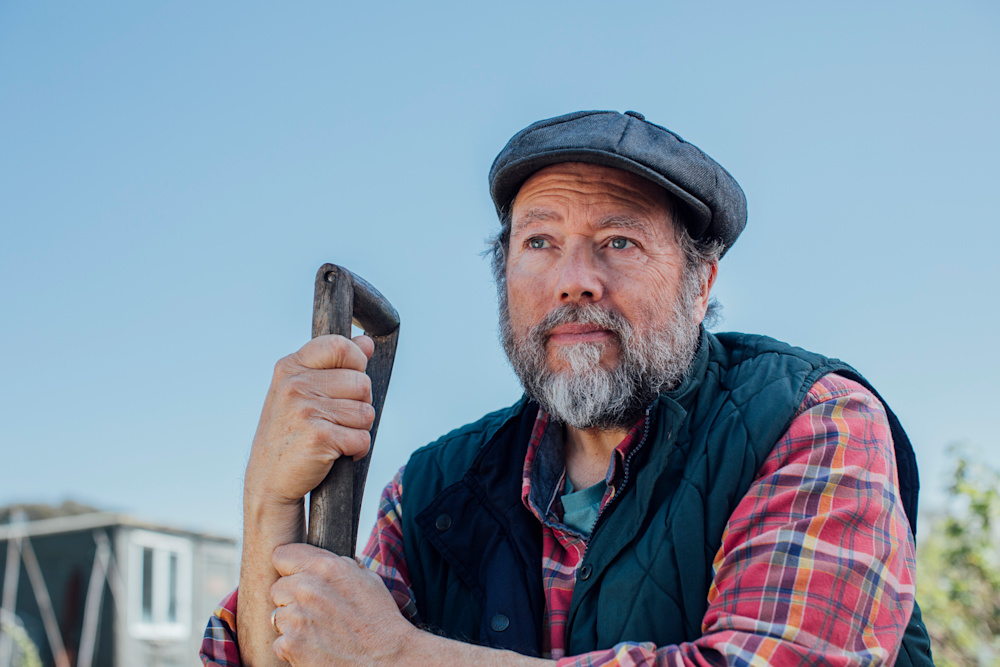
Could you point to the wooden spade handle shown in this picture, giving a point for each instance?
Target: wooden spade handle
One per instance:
(341, 298)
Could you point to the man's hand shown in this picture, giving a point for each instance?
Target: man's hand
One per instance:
(331, 611)
(317, 409)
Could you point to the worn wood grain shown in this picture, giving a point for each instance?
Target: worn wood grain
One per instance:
(341, 298)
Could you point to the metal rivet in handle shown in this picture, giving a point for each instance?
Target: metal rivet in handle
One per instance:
(330, 277)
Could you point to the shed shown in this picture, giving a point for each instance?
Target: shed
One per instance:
(107, 590)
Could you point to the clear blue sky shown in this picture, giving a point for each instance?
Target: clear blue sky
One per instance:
(173, 174)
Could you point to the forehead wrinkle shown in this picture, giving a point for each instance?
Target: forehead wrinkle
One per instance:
(532, 215)
(575, 179)
(623, 222)
(639, 202)
(615, 221)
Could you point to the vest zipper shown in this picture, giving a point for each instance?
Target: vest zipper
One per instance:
(614, 498)
(621, 489)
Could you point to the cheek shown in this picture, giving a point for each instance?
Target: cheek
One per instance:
(518, 309)
(647, 299)
(525, 293)
(525, 268)
(646, 284)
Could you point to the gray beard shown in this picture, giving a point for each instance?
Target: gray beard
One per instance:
(587, 394)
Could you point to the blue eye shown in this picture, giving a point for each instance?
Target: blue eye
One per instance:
(620, 243)
(537, 243)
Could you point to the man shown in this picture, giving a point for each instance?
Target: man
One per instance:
(661, 495)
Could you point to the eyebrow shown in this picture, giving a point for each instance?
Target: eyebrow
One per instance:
(530, 216)
(534, 215)
(623, 222)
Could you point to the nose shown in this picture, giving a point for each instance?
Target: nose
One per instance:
(580, 280)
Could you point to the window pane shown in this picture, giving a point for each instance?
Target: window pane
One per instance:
(147, 585)
(172, 590)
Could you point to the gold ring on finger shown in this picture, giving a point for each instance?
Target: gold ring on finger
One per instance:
(274, 620)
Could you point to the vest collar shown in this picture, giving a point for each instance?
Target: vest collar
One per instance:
(683, 395)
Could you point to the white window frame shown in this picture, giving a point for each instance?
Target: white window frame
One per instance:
(163, 546)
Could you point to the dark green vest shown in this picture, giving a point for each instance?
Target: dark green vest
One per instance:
(474, 550)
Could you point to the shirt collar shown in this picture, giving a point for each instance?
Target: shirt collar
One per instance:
(545, 464)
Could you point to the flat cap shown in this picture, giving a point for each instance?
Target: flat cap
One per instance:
(626, 141)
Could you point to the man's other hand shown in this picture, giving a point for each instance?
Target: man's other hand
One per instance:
(332, 611)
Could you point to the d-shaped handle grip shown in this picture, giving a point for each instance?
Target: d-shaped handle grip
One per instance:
(341, 298)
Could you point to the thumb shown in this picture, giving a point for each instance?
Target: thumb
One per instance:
(332, 351)
(289, 559)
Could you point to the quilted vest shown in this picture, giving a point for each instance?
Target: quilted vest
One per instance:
(474, 551)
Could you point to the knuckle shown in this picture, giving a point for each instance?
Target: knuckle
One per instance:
(292, 388)
(321, 436)
(325, 568)
(331, 569)
(366, 412)
(303, 412)
(286, 364)
(303, 386)
(353, 412)
(360, 441)
(364, 385)
(282, 648)
(308, 595)
(335, 440)
(338, 345)
(295, 626)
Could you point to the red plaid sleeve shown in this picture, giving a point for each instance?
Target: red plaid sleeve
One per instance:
(383, 555)
(384, 552)
(817, 562)
(219, 648)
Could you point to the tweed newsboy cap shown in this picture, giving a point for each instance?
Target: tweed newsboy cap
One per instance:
(626, 141)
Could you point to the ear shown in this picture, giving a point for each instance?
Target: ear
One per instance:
(701, 303)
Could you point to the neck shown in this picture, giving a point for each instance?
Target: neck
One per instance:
(588, 453)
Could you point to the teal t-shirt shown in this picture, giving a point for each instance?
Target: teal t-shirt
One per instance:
(580, 508)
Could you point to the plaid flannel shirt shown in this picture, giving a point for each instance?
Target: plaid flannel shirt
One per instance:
(816, 563)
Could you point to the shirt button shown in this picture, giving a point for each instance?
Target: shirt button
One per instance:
(443, 522)
(499, 623)
(585, 572)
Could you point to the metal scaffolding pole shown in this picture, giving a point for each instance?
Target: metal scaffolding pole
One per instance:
(95, 593)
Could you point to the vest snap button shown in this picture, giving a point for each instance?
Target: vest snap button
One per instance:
(443, 522)
(499, 623)
(585, 572)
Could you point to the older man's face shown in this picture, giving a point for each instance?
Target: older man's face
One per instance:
(597, 293)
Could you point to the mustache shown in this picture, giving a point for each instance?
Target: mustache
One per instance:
(583, 314)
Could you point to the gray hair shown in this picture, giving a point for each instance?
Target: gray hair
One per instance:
(699, 255)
